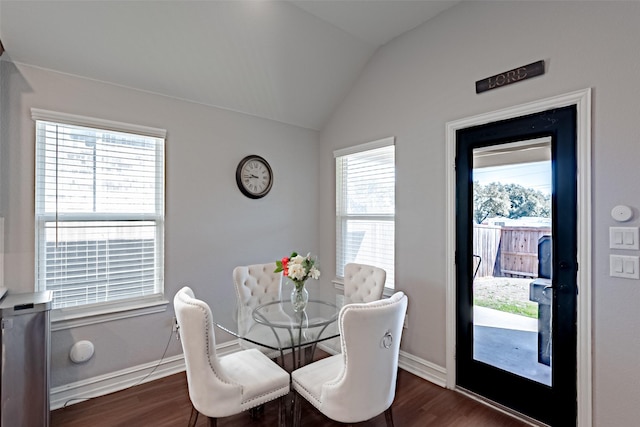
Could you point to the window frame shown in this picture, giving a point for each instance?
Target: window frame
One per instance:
(338, 281)
(69, 317)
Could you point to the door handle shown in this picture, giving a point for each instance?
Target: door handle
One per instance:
(559, 287)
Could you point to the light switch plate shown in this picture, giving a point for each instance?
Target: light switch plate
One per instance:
(624, 266)
(624, 238)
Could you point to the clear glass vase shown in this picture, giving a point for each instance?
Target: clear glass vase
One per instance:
(299, 298)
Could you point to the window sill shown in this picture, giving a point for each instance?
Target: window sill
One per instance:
(338, 283)
(73, 317)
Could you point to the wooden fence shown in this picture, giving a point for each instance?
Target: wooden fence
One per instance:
(486, 245)
(507, 251)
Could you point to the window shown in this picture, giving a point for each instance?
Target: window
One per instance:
(365, 206)
(99, 210)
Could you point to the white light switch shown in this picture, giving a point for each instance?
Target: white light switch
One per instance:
(629, 238)
(623, 238)
(617, 237)
(624, 266)
(629, 266)
(616, 265)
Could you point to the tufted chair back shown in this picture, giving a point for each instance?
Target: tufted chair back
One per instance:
(255, 284)
(227, 385)
(205, 377)
(363, 283)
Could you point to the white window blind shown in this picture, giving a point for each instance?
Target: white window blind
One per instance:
(99, 210)
(365, 206)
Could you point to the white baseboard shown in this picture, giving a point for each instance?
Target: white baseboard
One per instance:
(80, 391)
(327, 347)
(410, 363)
(101, 385)
(330, 347)
(423, 368)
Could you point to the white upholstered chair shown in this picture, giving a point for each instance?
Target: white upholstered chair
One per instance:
(363, 283)
(227, 385)
(255, 285)
(359, 383)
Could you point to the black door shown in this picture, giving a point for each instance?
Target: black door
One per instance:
(529, 366)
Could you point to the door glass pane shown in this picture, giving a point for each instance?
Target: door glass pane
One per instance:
(512, 258)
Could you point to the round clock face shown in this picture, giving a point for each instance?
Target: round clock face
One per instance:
(254, 177)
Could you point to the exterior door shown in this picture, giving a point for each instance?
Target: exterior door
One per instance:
(524, 363)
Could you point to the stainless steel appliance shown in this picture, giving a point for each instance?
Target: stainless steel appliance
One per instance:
(24, 375)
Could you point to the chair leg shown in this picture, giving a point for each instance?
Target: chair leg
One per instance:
(256, 412)
(297, 409)
(193, 418)
(213, 422)
(282, 411)
(388, 415)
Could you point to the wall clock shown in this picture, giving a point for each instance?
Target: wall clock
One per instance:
(254, 176)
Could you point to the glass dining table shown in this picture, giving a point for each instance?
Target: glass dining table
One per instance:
(277, 330)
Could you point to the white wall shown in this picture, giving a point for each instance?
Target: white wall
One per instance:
(210, 226)
(418, 82)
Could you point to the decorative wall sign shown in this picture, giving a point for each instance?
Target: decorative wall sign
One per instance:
(511, 76)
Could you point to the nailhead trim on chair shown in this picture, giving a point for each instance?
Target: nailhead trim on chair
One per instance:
(315, 402)
(207, 324)
(359, 306)
(207, 338)
(301, 391)
(262, 395)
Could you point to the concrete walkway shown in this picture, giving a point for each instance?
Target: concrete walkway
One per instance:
(483, 316)
(509, 342)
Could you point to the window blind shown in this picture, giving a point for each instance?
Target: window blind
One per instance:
(99, 213)
(365, 207)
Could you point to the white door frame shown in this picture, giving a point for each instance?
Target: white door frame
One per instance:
(582, 100)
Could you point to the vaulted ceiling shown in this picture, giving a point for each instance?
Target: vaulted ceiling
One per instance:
(290, 61)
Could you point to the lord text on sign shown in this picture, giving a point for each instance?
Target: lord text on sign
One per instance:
(511, 76)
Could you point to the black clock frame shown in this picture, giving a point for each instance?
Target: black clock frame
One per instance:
(241, 186)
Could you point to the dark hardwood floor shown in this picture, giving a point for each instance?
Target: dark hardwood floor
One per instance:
(165, 403)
